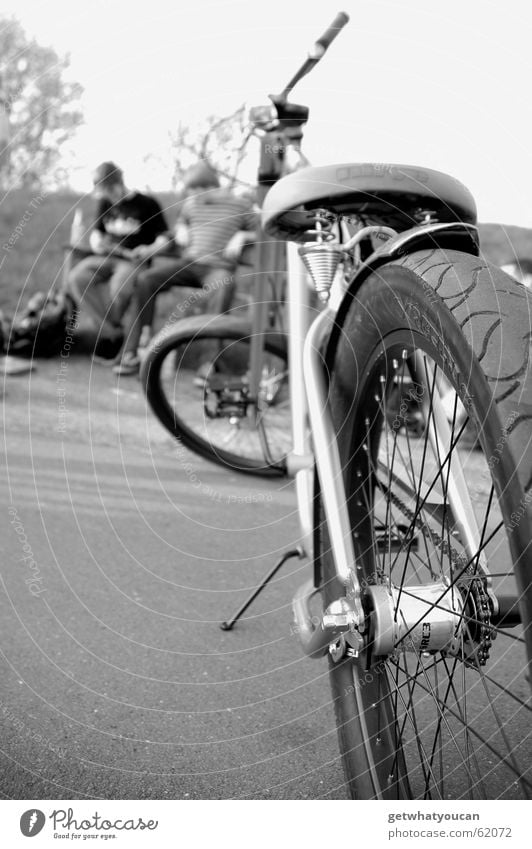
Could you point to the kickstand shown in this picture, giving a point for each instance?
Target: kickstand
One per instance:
(228, 624)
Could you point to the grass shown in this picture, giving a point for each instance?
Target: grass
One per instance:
(506, 244)
(34, 230)
(36, 227)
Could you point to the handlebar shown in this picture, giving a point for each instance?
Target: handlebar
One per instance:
(316, 53)
(330, 34)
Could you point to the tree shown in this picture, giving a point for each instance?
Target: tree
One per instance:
(41, 105)
(220, 141)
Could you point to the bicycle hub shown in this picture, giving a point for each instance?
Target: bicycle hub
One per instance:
(428, 618)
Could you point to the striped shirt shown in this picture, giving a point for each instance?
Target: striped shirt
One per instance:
(212, 218)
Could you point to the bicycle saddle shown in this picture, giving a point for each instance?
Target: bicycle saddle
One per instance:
(398, 196)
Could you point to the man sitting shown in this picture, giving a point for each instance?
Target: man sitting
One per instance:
(126, 222)
(212, 229)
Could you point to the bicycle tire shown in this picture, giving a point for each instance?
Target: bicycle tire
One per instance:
(255, 449)
(396, 712)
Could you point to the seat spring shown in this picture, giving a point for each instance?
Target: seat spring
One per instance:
(322, 230)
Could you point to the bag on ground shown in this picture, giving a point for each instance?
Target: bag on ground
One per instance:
(39, 329)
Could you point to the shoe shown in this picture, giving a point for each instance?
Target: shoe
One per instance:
(108, 362)
(128, 365)
(15, 365)
(107, 350)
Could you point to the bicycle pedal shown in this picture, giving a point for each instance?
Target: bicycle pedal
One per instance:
(226, 383)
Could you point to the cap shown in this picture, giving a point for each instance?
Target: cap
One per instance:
(201, 176)
(107, 174)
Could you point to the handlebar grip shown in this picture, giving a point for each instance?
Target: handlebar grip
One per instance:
(331, 32)
(318, 49)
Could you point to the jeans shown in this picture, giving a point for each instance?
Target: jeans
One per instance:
(104, 285)
(217, 284)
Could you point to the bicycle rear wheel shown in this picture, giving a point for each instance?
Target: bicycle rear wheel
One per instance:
(437, 705)
(216, 415)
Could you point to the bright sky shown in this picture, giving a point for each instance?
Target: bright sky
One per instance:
(446, 85)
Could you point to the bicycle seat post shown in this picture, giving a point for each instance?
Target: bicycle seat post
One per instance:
(270, 169)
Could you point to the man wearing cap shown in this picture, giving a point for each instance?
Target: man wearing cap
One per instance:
(129, 228)
(212, 229)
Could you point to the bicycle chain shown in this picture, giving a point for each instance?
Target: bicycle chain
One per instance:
(477, 583)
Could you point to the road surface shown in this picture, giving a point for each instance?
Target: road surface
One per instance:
(120, 555)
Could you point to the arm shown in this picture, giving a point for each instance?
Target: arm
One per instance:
(102, 244)
(182, 224)
(162, 244)
(237, 243)
(246, 235)
(99, 242)
(182, 234)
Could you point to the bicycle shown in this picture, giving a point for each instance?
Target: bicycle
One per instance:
(241, 417)
(420, 539)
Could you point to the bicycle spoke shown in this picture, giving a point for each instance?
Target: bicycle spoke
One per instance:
(413, 540)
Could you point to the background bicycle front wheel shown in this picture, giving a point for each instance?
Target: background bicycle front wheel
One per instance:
(196, 379)
(437, 706)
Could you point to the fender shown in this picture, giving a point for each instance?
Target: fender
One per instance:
(456, 236)
(452, 236)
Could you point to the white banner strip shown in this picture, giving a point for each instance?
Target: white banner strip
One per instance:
(258, 824)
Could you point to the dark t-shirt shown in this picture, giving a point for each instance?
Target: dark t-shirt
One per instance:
(135, 220)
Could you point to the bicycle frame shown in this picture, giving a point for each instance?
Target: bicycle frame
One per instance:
(314, 444)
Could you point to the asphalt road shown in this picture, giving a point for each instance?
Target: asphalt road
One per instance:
(117, 566)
